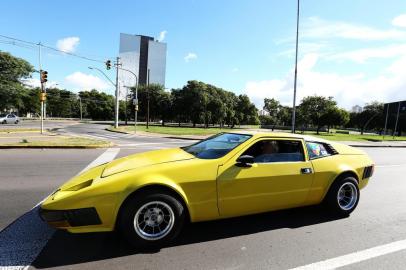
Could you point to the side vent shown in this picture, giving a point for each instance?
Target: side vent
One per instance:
(330, 149)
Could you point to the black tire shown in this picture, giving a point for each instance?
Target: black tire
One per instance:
(16, 122)
(340, 207)
(127, 224)
(4, 122)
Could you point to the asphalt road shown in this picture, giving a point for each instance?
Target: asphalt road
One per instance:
(278, 240)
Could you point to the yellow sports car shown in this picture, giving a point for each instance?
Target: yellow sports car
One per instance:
(149, 196)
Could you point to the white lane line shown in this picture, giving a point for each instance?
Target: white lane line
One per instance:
(23, 240)
(355, 257)
(107, 156)
(390, 165)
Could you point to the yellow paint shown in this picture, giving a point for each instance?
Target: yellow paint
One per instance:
(211, 189)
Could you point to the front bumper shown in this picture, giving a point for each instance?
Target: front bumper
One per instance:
(71, 217)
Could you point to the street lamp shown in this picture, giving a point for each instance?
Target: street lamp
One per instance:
(295, 82)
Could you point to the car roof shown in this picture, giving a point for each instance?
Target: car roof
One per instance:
(259, 134)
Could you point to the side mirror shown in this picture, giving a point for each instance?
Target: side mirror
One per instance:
(245, 161)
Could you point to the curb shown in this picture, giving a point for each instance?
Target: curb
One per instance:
(117, 131)
(378, 146)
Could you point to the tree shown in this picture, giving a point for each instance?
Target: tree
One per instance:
(334, 117)
(12, 71)
(371, 117)
(313, 109)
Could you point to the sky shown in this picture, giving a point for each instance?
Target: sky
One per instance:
(353, 50)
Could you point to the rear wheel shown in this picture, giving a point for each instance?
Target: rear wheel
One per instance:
(151, 220)
(343, 196)
(16, 122)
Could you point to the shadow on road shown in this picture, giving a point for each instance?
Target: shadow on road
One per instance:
(66, 249)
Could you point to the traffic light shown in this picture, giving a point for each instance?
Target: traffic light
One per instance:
(108, 64)
(42, 96)
(44, 76)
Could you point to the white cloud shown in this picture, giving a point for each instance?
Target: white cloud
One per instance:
(68, 44)
(400, 20)
(362, 55)
(347, 90)
(81, 81)
(190, 56)
(35, 82)
(315, 27)
(162, 36)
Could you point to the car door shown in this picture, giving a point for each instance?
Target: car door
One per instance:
(272, 182)
(10, 119)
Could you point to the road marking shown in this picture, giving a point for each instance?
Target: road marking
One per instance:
(355, 257)
(390, 165)
(107, 156)
(23, 240)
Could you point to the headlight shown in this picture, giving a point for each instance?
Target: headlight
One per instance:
(80, 186)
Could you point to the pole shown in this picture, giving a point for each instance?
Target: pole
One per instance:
(80, 107)
(117, 93)
(295, 81)
(386, 122)
(136, 107)
(397, 119)
(148, 101)
(125, 105)
(42, 88)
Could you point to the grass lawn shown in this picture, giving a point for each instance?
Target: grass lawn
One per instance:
(16, 130)
(60, 141)
(209, 131)
(174, 130)
(354, 137)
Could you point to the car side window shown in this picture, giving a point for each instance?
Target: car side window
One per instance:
(267, 151)
(10, 116)
(316, 150)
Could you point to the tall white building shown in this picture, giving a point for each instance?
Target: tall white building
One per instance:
(141, 54)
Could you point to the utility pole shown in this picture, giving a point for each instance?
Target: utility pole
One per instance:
(125, 105)
(148, 100)
(396, 123)
(117, 94)
(386, 122)
(80, 107)
(295, 82)
(42, 88)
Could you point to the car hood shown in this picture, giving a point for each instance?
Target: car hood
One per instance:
(145, 159)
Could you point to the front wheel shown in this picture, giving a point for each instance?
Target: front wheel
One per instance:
(16, 122)
(343, 196)
(151, 220)
(4, 122)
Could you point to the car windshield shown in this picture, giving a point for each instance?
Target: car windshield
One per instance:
(216, 146)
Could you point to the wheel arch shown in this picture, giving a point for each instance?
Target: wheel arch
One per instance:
(339, 176)
(155, 188)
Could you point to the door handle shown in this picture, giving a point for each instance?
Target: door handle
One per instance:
(306, 170)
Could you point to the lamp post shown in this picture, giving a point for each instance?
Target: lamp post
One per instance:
(295, 82)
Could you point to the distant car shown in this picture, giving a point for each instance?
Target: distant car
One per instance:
(9, 119)
(149, 196)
